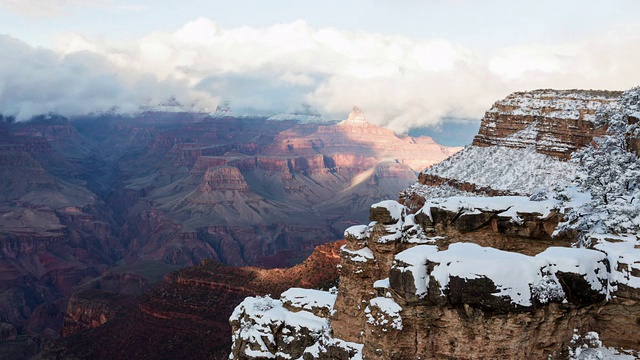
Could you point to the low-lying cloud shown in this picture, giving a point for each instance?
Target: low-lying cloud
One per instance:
(399, 82)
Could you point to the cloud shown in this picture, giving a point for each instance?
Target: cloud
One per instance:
(35, 81)
(399, 82)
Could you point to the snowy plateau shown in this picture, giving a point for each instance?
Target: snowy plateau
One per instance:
(551, 271)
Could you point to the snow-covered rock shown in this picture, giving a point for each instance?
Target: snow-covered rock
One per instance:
(520, 170)
(317, 302)
(265, 328)
(466, 273)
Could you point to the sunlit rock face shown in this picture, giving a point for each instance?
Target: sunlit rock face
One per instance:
(356, 117)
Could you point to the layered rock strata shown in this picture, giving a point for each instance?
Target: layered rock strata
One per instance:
(555, 122)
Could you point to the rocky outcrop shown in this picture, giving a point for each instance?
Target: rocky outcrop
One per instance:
(88, 309)
(555, 122)
(522, 146)
(300, 323)
(469, 301)
(407, 292)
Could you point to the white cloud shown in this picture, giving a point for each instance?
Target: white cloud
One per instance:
(399, 82)
(35, 81)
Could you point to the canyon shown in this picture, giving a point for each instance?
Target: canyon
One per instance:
(97, 209)
(477, 258)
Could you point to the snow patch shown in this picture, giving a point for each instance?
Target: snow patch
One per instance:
(362, 255)
(396, 210)
(384, 312)
(506, 206)
(502, 168)
(308, 299)
(520, 278)
(357, 231)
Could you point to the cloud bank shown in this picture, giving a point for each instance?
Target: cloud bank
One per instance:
(399, 82)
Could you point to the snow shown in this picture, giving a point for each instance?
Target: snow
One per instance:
(261, 317)
(308, 299)
(414, 260)
(396, 210)
(604, 204)
(257, 315)
(326, 341)
(382, 284)
(357, 231)
(589, 347)
(520, 278)
(510, 272)
(267, 311)
(432, 192)
(506, 206)
(552, 103)
(623, 252)
(589, 263)
(503, 168)
(301, 118)
(361, 255)
(388, 313)
(405, 229)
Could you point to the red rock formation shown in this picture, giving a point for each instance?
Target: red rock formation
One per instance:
(177, 188)
(223, 178)
(355, 137)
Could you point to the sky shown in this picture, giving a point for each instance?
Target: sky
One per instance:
(407, 64)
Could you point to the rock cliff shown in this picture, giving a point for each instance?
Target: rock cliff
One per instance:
(414, 288)
(555, 122)
(522, 146)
